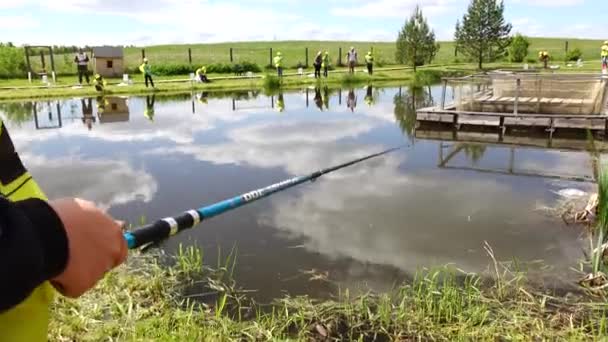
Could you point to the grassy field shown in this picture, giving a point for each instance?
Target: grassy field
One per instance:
(143, 301)
(295, 52)
(18, 89)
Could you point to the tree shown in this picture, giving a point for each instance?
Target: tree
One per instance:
(518, 50)
(483, 33)
(416, 41)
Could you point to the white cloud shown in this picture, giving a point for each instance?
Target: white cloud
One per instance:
(548, 3)
(392, 8)
(19, 22)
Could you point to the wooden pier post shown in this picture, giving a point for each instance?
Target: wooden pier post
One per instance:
(443, 92)
(517, 91)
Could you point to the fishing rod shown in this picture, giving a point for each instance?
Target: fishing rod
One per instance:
(170, 226)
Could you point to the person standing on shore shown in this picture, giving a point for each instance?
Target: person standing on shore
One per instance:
(351, 57)
(278, 63)
(146, 69)
(317, 64)
(325, 63)
(604, 55)
(82, 61)
(369, 60)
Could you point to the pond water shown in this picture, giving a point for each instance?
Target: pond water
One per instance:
(368, 226)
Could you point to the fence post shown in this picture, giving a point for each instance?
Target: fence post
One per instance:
(231, 56)
(339, 56)
(306, 51)
(270, 57)
(566, 47)
(52, 64)
(143, 53)
(29, 66)
(517, 89)
(190, 56)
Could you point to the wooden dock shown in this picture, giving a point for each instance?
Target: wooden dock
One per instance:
(502, 101)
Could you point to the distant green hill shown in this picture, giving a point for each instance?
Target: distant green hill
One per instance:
(295, 51)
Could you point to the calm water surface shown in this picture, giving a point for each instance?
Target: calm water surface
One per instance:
(367, 226)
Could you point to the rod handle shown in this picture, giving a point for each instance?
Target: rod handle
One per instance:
(154, 232)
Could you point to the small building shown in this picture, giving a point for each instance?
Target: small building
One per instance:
(108, 61)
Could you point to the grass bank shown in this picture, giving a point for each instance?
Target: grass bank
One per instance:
(144, 301)
(18, 89)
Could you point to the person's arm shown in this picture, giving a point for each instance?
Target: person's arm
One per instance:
(33, 248)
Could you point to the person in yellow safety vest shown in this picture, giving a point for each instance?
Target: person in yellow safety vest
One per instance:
(325, 63)
(201, 74)
(278, 63)
(369, 60)
(605, 55)
(544, 57)
(149, 111)
(99, 82)
(280, 103)
(63, 245)
(146, 70)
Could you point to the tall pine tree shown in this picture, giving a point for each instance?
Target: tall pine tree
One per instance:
(483, 33)
(416, 41)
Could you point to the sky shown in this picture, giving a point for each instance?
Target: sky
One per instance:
(146, 22)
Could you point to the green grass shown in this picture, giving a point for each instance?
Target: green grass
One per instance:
(144, 301)
(294, 52)
(174, 85)
(16, 89)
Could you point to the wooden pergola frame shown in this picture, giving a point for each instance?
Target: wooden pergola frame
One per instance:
(29, 65)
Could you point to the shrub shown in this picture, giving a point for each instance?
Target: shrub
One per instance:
(185, 69)
(531, 60)
(574, 55)
(12, 62)
(518, 50)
